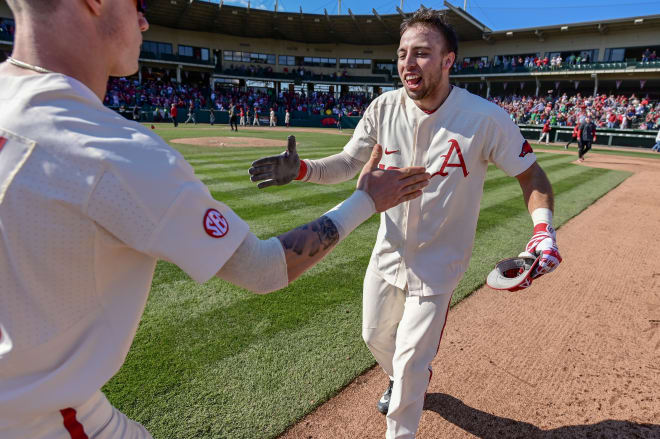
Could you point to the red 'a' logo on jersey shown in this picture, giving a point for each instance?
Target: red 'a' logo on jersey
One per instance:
(2, 142)
(461, 163)
(526, 149)
(215, 224)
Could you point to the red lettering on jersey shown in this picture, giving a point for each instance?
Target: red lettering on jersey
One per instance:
(389, 168)
(215, 224)
(526, 149)
(446, 164)
(2, 142)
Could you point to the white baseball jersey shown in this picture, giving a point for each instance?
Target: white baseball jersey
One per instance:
(5, 341)
(426, 243)
(88, 202)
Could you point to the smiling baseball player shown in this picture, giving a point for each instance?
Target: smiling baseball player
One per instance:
(90, 201)
(424, 245)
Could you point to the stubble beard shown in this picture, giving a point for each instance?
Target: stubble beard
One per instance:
(428, 89)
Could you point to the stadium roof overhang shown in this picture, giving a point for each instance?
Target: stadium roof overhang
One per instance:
(374, 29)
(582, 28)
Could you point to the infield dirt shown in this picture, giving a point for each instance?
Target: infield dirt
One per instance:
(229, 142)
(577, 355)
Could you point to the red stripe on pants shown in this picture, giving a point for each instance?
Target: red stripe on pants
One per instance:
(438, 348)
(72, 425)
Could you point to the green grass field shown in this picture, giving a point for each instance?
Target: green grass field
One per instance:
(215, 361)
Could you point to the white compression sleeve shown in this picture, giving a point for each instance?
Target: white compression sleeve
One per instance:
(333, 169)
(256, 265)
(352, 212)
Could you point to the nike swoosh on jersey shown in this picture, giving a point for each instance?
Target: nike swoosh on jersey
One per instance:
(387, 151)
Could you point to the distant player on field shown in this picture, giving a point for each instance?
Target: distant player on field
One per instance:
(424, 246)
(89, 201)
(272, 121)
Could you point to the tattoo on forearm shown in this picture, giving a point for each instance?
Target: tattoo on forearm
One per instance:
(326, 236)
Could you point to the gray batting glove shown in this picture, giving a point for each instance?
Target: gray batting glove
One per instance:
(278, 169)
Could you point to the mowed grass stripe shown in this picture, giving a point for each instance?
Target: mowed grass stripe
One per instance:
(495, 242)
(512, 190)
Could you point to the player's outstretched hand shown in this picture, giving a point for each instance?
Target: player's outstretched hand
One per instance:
(278, 169)
(544, 244)
(390, 187)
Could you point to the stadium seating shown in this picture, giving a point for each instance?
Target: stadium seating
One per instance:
(639, 113)
(150, 95)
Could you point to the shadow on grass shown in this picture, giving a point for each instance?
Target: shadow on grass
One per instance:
(488, 426)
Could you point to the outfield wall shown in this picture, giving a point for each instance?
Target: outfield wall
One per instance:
(604, 136)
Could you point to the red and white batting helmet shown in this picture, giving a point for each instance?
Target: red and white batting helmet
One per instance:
(513, 274)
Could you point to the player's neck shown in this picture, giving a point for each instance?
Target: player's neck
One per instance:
(56, 52)
(431, 103)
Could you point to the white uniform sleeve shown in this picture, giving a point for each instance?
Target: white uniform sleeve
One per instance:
(505, 146)
(334, 169)
(364, 137)
(254, 255)
(167, 213)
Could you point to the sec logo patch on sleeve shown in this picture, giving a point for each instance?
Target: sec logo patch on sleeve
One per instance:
(215, 225)
(526, 149)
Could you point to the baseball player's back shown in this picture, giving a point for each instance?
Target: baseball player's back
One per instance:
(83, 222)
(89, 202)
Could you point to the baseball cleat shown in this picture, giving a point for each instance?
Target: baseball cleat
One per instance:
(384, 402)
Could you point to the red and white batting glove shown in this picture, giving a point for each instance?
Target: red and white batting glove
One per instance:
(544, 243)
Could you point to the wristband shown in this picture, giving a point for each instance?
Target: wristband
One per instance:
(542, 215)
(302, 171)
(349, 214)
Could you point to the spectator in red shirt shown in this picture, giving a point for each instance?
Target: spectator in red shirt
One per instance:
(545, 132)
(574, 136)
(173, 113)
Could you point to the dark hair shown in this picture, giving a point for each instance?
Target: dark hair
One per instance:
(435, 20)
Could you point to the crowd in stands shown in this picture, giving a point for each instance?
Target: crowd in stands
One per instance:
(7, 27)
(290, 73)
(159, 95)
(649, 56)
(624, 112)
(534, 62)
(519, 63)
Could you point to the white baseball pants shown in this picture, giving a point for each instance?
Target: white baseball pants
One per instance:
(403, 333)
(95, 419)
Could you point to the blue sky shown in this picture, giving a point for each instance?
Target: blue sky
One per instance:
(496, 14)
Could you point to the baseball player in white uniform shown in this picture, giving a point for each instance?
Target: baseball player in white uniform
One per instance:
(424, 246)
(90, 201)
(272, 122)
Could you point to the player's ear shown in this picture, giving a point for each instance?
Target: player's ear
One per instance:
(449, 60)
(94, 6)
